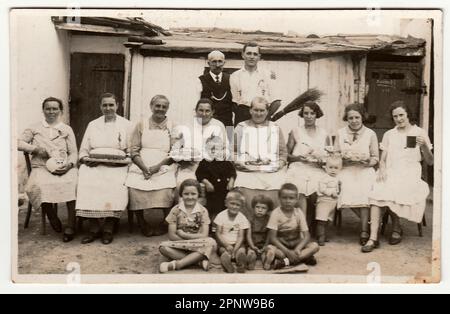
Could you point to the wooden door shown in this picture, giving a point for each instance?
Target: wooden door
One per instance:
(389, 82)
(91, 75)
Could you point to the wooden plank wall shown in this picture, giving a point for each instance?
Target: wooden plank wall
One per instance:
(177, 78)
(335, 77)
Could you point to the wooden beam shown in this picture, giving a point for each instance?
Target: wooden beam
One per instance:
(97, 29)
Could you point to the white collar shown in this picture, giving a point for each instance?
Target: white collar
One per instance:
(255, 71)
(56, 126)
(214, 76)
(196, 209)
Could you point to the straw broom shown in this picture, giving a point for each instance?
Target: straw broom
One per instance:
(312, 94)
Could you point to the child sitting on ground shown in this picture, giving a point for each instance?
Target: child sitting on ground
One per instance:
(288, 233)
(257, 239)
(327, 195)
(188, 232)
(231, 225)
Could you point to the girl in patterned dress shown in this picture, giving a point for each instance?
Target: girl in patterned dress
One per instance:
(188, 231)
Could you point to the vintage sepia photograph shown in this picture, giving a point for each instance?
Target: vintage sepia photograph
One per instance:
(226, 146)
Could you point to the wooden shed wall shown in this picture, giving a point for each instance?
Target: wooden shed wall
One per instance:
(177, 77)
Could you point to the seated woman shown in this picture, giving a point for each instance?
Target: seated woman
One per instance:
(151, 178)
(358, 146)
(306, 147)
(191, 144)
(399, 185)
(101, 191)
(54, 156)
(188, 232)
(261, 155)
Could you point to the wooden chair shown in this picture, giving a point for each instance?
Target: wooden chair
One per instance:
(55, 206)
(385, 221)
(29, 210)
(338, 218)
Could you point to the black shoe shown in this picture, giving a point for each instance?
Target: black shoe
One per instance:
(56, 224)
(396, 240)
(311, 261)
(364, 237)
(68, 236)
(107, 238)
(370, 247)
(321, 240)
(90, 238)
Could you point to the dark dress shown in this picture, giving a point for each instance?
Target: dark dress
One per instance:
(220, 94)
(259, 230)
(219, 173)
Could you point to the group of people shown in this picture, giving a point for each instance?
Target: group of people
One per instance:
(257, 186)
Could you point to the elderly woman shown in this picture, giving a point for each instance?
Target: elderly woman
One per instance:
(306, 148)
(101, 192)
(261, 155)
(359, 148)
(151, 178)
(399, 185)
(54, 156)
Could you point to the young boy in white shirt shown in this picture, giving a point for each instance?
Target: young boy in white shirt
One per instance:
(230, 235)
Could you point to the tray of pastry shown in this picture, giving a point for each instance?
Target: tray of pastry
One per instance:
(125, 161)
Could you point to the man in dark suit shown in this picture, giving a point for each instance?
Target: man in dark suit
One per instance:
(215, 85)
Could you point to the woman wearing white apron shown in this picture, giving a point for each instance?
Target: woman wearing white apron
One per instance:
(191, 141)
(151, 177)
(261, 155)
(359, 148)
(399, 185)
(101, 192)
(306, 147)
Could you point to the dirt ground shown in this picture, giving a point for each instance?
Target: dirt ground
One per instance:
(135, 254)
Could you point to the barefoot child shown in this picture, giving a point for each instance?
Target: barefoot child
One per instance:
(288, 233)
(188, 232)
(257, 239)
(327, 195)
(231, 226)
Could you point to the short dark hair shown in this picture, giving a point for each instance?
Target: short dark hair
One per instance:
(205, 101)
(263, 199)
(402, 104)
(108, 95)
(251, 44)
(355, 107)
(288, 187)
(49, 99)
(190, 182)
(314, 107)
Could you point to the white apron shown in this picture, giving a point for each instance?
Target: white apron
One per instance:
(260, 143)
(357, 181)
(102, 188)
(155, 148)
(305, 175)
